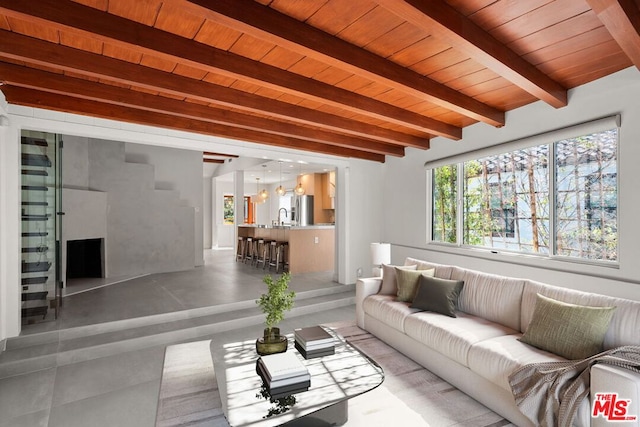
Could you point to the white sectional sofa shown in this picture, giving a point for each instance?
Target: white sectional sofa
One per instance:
(477, 350)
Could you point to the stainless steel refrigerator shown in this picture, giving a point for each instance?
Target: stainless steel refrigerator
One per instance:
(302, 210)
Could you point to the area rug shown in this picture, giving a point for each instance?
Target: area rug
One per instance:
(409, 396)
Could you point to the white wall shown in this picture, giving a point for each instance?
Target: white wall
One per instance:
(359, 216)
(170, 174)
(224, 235)
(207, 212)
(9, 225)
(405, 190)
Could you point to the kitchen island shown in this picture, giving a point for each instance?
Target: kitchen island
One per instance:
(311, 247)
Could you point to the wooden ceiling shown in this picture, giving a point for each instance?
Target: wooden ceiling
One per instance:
(352, 78)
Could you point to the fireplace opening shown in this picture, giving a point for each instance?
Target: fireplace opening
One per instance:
(84, 258)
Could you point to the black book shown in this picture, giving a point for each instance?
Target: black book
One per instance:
(282, 391)
(313, 334)
(313, 354)
(315, 347)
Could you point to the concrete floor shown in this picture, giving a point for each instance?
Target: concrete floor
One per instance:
(122, 390)
(221, 280)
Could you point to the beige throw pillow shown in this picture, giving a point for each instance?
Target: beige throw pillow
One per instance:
(389, 279)
(408, 282)
(568, 330)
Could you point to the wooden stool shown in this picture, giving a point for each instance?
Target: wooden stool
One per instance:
(283, 257)
(262, 246)
(248, 253)
(273, 255)
(242, 247)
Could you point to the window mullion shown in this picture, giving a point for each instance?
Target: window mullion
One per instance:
(553, 199)
(460, 205)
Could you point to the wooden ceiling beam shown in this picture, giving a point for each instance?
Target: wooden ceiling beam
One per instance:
(443, 21)
(57, 83)
(274, 27)
(218, 161)
(622, 20)
(209, 153)
(18, 47)
(39, 99)
(67, 15)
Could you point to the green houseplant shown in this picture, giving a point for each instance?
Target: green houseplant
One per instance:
(274, 303)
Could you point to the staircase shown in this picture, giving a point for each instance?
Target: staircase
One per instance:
(46, 350)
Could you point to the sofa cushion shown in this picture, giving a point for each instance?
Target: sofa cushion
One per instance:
(453, 337)
(496, 358)
(496, 298)
(389, 279)
(442, 271)
(408, 282)
(570, 330)
(386, 309)
(437, 295)
(624, 326)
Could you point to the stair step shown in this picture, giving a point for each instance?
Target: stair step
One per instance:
(34, 352)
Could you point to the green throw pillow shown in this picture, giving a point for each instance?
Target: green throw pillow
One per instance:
(438, 295)
(408, 282)
(568, 330)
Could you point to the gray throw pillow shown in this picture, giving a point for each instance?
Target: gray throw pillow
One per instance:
(568, 330)
(438, 295)
(389, 279)
(408, 282)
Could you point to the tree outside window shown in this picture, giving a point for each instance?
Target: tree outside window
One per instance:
(507, 198)
(228, 210)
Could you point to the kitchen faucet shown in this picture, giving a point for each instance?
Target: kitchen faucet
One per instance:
(286, 214)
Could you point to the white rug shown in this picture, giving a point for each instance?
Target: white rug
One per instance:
(409, 396)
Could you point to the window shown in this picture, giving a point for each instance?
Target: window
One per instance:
(587, 197)
(228, 210)
(445, 195)
(554, 199)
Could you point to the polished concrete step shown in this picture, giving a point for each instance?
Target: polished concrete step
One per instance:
(57, 348)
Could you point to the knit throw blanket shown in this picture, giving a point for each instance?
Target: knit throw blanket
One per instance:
(549, 394)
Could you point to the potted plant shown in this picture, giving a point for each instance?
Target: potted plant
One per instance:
(274, 303)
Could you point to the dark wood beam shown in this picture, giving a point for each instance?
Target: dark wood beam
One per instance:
(445, 22)
(268, 24)
(218, 161)
(209, 153)
(57, 83)
(18, 47)
(622, 20)
(67, 15)
(39, 99)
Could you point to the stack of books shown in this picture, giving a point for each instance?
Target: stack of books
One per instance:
(283, 374)
(313, 342)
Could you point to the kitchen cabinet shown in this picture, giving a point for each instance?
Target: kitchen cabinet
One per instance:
(328, 190)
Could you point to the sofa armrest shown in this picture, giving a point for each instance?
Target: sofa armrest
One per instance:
(609, 379)
(364, 288)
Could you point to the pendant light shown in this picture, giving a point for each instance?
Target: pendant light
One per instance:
(258, 200)
(280, 191)
(299, 190)
(264, 194)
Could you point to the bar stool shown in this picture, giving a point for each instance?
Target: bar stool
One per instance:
(283, 256)
(248, 253)
(242, 247)
(262, 246)
(273, 255)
